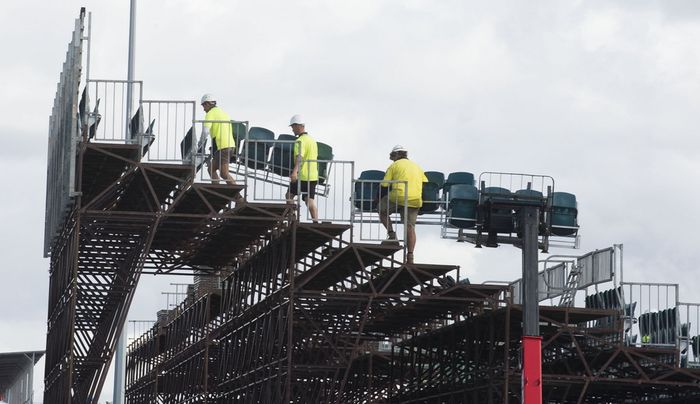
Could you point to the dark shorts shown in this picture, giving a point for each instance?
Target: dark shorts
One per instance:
(219, 157)
(308, 188)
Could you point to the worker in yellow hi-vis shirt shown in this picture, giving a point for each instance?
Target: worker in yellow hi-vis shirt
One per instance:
(305, 171)
(409, 194)
(218, 126)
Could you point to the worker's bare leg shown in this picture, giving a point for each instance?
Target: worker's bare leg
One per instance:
(213, 173)
(226, 175)
(311, 204)
(411, 238)
(386, 221)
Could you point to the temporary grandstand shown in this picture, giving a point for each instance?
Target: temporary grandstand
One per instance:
(286, 310)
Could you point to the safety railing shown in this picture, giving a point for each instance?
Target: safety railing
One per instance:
(689, 334)
(111, 109)
(333, 197)
(64, 134)
(366, 206)
(513, 182)
(562, 276)
(269, 163)
(651, 314)
(136, 328)
(161, 126)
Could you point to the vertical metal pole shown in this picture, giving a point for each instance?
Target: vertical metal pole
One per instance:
(30, 388)
(130, 71)
(120, 354)
(532, 342)
(119, 357)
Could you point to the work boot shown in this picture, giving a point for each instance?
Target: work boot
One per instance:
(391, 239)
(240, 201)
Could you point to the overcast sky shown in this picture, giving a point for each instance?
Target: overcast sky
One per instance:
(601, 95)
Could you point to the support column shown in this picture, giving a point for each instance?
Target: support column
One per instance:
(532, 342)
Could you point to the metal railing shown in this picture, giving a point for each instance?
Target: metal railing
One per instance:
(689, 334)
(513, 182)
(594, 268)
(111, 105)
(651, 313)
(366, 207)
(64, 136)
(163, 129)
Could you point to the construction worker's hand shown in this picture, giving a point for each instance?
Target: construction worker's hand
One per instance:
(293, 176)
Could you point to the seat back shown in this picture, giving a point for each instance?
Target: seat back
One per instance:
(528, 194)
(564, 214)
(367, 193)
(500, 220)
(186, 145)
(325, 152)
(238, 136)
(436, 177)
(259, 147)
(463, 203)
(460, 177)
(283, 155)
(431, 191)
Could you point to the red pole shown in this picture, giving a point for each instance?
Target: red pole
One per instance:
(532, 370)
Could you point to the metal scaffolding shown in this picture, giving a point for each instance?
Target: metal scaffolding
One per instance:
(306, 313)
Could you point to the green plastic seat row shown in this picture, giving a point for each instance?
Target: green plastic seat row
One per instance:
(282, 159)
(437, 184)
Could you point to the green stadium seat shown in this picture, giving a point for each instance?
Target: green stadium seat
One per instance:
(463, 203)
(431, 191)
(564, 214)
(283, 155)
(436, 177)
(457, 178)
(500, 220)
(325, 152)
(259, 147)
(238, 136)
(367, 193)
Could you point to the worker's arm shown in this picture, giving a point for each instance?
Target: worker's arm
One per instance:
(203, 138)
(297, 161)
(384, 186)
(295, 171)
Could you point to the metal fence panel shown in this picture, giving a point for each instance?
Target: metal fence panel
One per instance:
(63, 137)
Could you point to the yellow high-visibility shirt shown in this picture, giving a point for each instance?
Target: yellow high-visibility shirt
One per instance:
(405, 170)
(306, 147)
(221, 133)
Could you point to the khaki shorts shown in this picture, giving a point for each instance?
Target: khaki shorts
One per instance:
(219, 157)
(388, 207)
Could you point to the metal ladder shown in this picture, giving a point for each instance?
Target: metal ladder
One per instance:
(567, 298)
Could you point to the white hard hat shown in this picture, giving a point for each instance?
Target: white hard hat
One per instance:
(296, 119)
(208, 98)
(398, 148)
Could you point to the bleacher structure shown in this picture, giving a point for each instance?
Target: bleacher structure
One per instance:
(285, 310)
